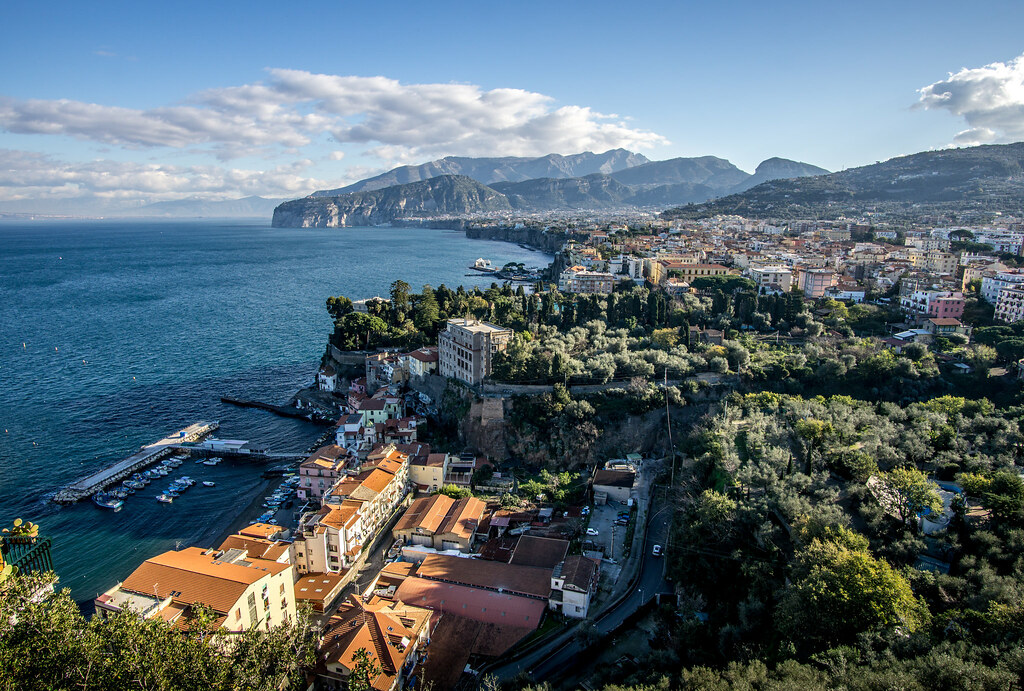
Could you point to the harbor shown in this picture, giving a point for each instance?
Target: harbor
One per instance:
(146, 456)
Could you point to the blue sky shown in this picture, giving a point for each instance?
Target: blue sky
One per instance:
(124, 103)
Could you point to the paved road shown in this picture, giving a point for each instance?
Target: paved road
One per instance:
(562, 654)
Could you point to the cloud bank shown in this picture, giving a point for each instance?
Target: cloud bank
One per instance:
(989, 98)
(291, 120)
(396, 121)
(30, 175)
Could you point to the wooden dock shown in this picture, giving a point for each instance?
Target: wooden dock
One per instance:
(146, 456)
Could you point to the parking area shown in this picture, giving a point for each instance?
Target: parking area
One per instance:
(609, 536)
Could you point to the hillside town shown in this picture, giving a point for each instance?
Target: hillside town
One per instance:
(432, 560)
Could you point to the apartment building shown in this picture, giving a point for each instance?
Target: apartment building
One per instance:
(319, 472)
(466, 348)
(328, 540)
(1010, 305)
(814, 282)
(244, 592)
(773, 279)
(588, 282)
(427, 473)
(991, 286)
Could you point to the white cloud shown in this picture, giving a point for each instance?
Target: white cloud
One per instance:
(26, 175)
(989, 98)
(295, 107)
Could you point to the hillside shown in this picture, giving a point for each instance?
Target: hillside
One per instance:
(450, 195)
(503, 169)
(717, 174)
(779, 168)
(982, 179)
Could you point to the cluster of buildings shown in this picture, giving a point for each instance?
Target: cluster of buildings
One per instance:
(820, 258)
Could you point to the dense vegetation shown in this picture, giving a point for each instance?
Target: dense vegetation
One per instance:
(799, 561)
(47, 644)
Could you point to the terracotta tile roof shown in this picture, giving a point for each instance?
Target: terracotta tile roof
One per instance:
(198, 577)
(427, 513)
(434, 460)
(539, 551)
(473, 603)
(379, 629)
(339, 517)
(255, 547)
(491, 575)
(318, 589)
(463, 518)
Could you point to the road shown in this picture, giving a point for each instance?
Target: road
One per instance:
(562, 653)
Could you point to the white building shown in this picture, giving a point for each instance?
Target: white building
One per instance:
(991, 286)
(573, 584)
(1010, 305)
(774, 279)
(466, 348)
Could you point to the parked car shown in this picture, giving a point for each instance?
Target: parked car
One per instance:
(622, 521)
(592, 531)
(656, 551)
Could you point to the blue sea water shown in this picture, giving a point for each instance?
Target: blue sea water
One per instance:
(116, 333)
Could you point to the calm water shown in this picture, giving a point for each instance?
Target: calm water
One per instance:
(113, 334)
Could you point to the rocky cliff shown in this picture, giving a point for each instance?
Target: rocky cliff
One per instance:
(445, 195)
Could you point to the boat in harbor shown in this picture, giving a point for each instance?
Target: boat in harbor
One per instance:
(107, 501)
(211, 461)
(164, 498)
(208, 483)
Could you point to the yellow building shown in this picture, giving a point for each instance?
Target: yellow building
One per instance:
(244, 592)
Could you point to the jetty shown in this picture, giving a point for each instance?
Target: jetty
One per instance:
(146, 456)
(282, 410)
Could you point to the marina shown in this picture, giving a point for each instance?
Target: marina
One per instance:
(143, 458)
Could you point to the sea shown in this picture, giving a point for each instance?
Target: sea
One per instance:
(114, 334)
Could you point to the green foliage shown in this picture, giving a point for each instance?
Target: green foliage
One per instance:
(839, 590)
(455, 492)
(909, 493)
(365, 671)
(48, 644)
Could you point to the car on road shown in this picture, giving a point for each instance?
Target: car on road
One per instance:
(593, 531)
(656, 551)
(622, 521)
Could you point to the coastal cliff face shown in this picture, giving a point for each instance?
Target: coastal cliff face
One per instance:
(546, 241)
(445, 195)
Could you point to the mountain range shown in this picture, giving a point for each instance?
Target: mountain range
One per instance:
(955, 182)
(617, 179)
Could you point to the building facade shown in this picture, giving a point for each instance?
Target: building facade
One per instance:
(466, 349)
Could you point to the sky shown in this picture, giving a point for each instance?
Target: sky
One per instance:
(110, 105)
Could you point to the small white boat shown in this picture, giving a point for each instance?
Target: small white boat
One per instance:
(210, 462)
(208, 483)
(164, 498)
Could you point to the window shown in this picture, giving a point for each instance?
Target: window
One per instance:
(252, 608)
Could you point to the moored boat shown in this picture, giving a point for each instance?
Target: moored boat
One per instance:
(164, 498)
(208, 483)
(107, 501)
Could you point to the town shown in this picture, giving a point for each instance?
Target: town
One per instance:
(461, 525)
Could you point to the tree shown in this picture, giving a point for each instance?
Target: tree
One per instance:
(839, 590)
(399, 300)
(908, 492)
(365, 671)
(455, 492)
(427, 312)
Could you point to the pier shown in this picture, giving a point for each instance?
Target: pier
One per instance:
(282, 410)
(146, 456)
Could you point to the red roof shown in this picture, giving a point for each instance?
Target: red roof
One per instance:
(473, 603)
